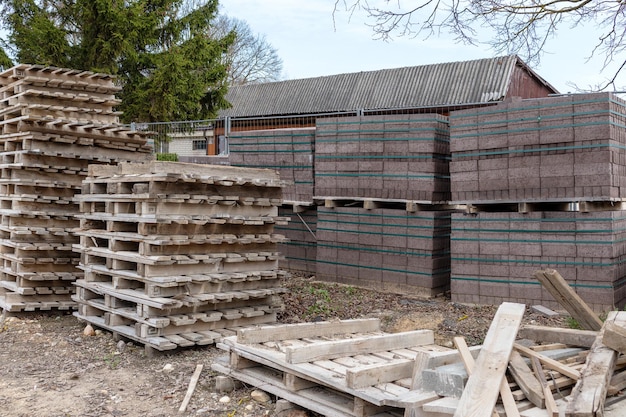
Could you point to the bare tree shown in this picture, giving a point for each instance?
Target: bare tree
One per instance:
(520, 26)
(251, 58)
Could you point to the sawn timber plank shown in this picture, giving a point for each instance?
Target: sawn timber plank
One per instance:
(483, 386)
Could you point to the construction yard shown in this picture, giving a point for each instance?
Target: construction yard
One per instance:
(70, 374)
(468, 264)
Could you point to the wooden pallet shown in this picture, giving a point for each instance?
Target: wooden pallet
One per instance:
(252, 284)
(341, 355)
(72, 146)
(170, 230)
(58, 77)
(184, 219)
(14, 302)
(367, 203)
(317, 398)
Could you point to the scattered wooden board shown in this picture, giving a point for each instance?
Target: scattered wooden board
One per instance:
(483, 386)
(567, 297)
(589, 394)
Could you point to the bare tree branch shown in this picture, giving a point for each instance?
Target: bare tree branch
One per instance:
(251, 59)
(520, 26)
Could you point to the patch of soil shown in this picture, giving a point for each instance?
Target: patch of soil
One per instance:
(49, 368)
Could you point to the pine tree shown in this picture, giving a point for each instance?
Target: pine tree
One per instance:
(160, 50)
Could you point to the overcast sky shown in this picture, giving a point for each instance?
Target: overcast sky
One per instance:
(312, 44)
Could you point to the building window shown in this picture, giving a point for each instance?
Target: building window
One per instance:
(198, 145)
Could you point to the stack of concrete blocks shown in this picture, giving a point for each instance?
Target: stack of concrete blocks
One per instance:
(300, 250)
(54, 123)
(385, 249)
(174, 252)
(558, 158)
(388, 159)
(290, 151)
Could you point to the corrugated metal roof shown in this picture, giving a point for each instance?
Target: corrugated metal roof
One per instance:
(451, 83)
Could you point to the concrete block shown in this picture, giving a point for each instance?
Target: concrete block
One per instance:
(544, 311)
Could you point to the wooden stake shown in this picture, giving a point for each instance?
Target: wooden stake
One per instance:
(192, 386)
(553, 410)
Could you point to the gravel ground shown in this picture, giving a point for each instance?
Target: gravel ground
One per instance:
(49, 368)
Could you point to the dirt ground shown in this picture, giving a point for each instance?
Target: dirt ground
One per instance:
(49, 368)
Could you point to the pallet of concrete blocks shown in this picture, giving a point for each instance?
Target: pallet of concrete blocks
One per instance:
(54, 123)
(395, 157)
(173, 252)
(555, 149)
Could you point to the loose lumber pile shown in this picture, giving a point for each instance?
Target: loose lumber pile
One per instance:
(172, 252)
(351, 368)
(54, 122)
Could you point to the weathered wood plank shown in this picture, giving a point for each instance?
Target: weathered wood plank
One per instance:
(589, 393)
(549, 362)
(617, 384)
(572, 337)
(614, 335)
(379, 373)
(483, 386)
(301, 330)
(469, 363)
(349, 347)
(527, 382)
(567, 297)
(550, 403)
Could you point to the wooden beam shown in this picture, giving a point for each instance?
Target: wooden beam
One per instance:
(572, 337)
(275, 333)
(483, 386)
(369, 375)
(358, 346)
(422, 362)
(192, 387)
(567, 297)
(468, 361)
(548, 362)
(614, 335)
(553, 410)
(589, 393)
(527, 382)
(617, 384)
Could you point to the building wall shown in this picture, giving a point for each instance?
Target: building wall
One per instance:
(182, 143)
(524, 84)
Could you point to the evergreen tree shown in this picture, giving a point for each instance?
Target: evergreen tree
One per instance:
(160, 50)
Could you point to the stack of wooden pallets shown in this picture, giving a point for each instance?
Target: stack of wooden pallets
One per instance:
(54, 123)
(172, 252)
